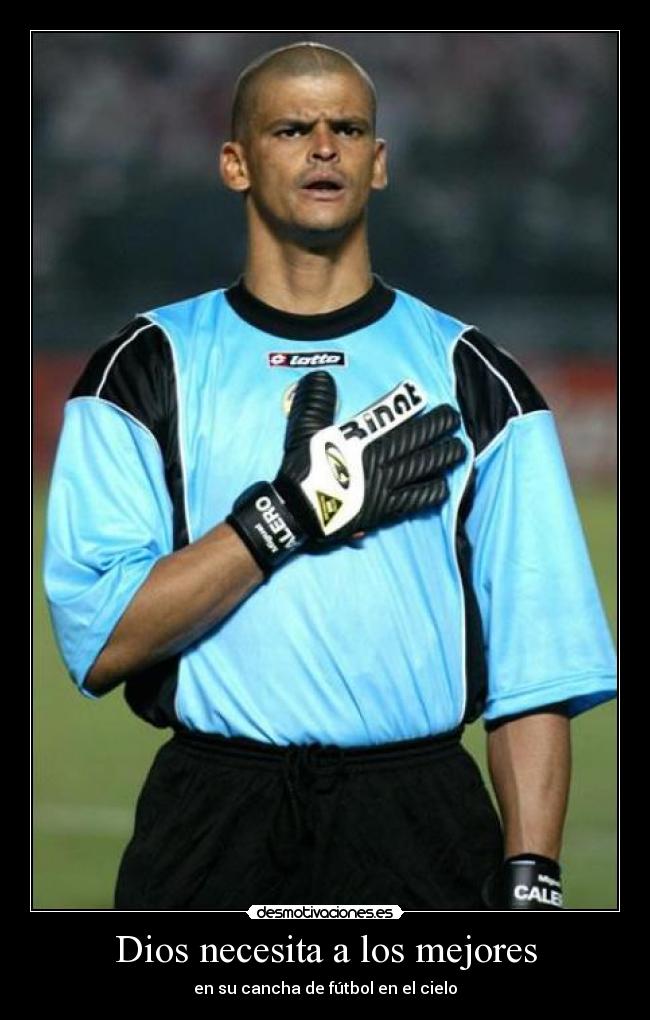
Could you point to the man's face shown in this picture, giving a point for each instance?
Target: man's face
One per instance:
(310, 160)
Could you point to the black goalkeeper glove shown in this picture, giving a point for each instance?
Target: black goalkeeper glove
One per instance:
(526, 882)
(337, 481)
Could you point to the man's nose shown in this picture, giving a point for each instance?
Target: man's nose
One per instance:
(324, 144)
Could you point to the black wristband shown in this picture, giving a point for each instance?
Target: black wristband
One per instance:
(265, 524)
(532, 882)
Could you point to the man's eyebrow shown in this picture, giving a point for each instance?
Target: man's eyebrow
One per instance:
(357, 121)
(308, 122)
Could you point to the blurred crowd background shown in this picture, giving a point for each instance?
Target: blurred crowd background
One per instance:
(501, 210)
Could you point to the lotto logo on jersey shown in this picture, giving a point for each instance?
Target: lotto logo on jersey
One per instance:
(316, 359)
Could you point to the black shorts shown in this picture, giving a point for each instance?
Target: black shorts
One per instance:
(223, 824)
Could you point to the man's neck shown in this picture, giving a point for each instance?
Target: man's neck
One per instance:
(293, 279)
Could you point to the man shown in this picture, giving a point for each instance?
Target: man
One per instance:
(318, 597)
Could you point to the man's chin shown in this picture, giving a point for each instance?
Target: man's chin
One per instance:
(318, 234)
(315, 233)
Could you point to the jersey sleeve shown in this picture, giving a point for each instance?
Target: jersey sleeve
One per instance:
(546, 638)
(109, 516)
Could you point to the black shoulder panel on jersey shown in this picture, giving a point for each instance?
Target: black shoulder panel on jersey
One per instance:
(135, 372)
(491, 388)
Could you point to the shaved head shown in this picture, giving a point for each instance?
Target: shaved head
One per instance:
(303, 58)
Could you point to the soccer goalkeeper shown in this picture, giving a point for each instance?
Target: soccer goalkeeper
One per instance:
(316, 527)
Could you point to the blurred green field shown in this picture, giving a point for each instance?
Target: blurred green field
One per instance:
(91, 757)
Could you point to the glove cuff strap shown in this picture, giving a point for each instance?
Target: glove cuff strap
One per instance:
(532, 882)
(265, 524)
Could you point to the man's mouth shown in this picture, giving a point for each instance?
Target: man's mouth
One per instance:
(323, 187)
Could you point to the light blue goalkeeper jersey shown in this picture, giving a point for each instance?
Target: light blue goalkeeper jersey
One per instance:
(486, 605)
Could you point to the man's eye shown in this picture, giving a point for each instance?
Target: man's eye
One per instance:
(350, 129)
(290, 132)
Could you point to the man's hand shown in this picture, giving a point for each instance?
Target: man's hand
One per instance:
(337, 481)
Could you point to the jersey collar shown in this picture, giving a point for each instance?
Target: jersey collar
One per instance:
(327, 326)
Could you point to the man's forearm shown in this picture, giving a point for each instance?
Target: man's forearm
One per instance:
(530, 766)
(185, 594)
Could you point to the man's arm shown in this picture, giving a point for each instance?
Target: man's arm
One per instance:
(186, 593)
(530, 766)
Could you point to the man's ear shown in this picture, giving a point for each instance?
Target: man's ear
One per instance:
(233, 167)
(380, 168)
